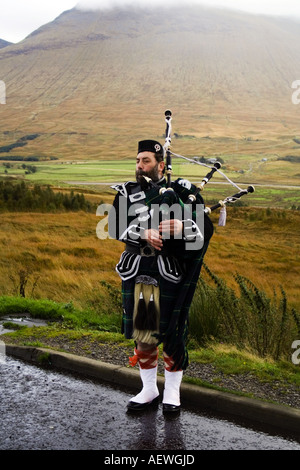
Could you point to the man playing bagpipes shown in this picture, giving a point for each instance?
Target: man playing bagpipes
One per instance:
(166, 234)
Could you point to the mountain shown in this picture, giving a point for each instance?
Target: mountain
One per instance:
(4, 43)
(91, 84)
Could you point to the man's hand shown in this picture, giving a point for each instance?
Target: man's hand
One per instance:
(170, 227)
(154, 238)
(165, 230)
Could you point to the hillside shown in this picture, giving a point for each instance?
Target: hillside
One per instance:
(91, 84)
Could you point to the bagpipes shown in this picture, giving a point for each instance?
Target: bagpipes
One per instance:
(215, 168)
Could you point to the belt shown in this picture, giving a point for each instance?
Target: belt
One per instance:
(145, 250)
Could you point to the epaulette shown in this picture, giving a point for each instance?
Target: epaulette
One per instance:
(122, 188)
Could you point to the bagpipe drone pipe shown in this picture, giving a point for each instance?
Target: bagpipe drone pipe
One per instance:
(195, 190)
(182, 192)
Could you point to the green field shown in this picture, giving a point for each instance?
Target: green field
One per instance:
(281, 191)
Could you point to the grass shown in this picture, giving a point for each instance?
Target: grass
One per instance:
(66, 262)
(250, 319)
(41, 335)
(64, 313)
(61, 172)
(229, 360)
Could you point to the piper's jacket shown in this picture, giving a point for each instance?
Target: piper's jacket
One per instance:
(176, 268)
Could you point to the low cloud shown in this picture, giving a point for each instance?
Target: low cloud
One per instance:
(109, 4)
(269, 7)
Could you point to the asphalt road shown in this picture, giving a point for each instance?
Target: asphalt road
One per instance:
(43, 409)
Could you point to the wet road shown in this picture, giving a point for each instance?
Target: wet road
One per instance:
(46, 410)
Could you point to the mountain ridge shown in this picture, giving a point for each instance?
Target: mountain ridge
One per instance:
(4, 43)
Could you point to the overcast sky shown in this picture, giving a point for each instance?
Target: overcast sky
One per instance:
(18, 18)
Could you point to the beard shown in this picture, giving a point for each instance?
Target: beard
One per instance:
(152, 174)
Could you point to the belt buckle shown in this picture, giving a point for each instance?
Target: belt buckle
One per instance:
(147, 251)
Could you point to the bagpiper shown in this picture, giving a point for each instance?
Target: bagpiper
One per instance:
(166, 233)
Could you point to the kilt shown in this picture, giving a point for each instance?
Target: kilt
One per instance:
(175, 301)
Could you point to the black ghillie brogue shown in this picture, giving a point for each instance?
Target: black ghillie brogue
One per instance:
(134, 406)
(171, 408)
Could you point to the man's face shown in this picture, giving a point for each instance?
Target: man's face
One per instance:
(147, 165)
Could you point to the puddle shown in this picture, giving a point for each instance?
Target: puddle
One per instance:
(20, 320)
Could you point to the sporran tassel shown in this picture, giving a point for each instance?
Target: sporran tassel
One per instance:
(151, 315)
(141, 315)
